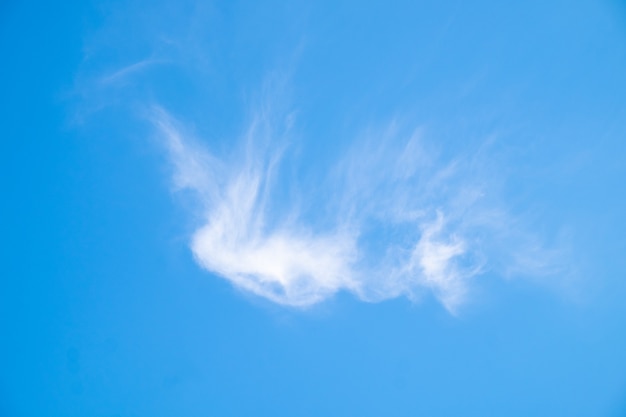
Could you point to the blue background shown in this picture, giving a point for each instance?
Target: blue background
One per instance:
(103, 311)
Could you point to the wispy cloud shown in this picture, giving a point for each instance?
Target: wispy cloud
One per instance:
(125, 72)
(403, 222)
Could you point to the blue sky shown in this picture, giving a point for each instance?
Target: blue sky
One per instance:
(313, 208)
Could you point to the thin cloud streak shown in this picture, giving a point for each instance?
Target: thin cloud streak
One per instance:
(405, 224)
(129, 70)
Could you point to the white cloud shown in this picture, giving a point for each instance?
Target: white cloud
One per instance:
(404, 223)
(122, 74)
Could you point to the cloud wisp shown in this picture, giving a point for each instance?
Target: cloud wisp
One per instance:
(403, 223)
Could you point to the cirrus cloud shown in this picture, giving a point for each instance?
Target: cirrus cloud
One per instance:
(403, 223)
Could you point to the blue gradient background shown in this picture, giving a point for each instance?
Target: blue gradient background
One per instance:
(103, 311)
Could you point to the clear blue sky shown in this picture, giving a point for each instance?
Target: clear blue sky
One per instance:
(322, 208)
